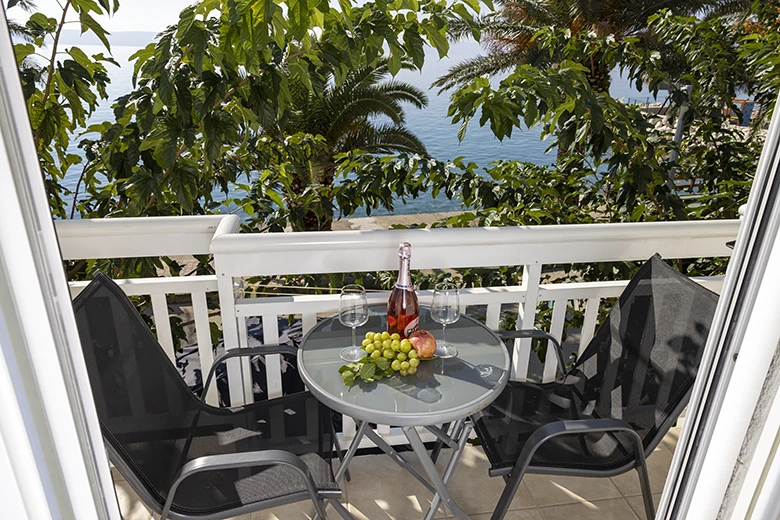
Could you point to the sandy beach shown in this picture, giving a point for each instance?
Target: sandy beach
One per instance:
(386, 222)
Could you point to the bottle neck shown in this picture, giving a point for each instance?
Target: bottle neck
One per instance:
(404, 275)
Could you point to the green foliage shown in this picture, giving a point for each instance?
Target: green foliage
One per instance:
(229, 74)
(509, 34)
(61, 88)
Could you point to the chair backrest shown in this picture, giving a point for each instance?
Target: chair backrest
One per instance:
(642, 361)
(145, 409)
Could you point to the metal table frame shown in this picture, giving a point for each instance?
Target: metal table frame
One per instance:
(455, 438)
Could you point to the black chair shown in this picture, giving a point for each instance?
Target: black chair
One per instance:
(610, 410)
(185, 458)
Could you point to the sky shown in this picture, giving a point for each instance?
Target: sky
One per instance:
(133, 15)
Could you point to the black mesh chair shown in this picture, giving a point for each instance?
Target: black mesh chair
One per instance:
(615, 404)
(185, 458)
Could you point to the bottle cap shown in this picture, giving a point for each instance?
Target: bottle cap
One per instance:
(405, 250)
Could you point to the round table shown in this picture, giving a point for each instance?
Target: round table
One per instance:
(443, 391)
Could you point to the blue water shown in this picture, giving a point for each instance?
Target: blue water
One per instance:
(431, 124)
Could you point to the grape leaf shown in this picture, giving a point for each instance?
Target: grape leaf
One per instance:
(367, 371)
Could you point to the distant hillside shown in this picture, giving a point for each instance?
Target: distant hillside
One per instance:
(120, 38)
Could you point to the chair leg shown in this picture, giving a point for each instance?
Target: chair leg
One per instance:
(647, 493)
(512, 483)
(319, 507)
(341, 510)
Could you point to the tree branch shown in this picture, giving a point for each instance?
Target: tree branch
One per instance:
(50, 75)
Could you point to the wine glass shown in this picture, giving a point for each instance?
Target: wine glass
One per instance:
(445, 309)
(353, 312)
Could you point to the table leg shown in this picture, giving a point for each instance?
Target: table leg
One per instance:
(382, 444)
(361, 431)
(439, 444)
(452, 464)
(430, 468)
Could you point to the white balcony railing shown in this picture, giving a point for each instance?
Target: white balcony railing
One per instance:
(238, 255)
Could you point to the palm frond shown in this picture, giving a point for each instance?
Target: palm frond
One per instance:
(365, 103)
(467, 70)
(404, 92)
(384, 138)
(20, 33)
(26, 5)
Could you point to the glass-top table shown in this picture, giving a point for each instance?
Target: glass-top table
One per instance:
(442, 392)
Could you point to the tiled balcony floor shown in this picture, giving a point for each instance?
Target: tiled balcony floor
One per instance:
(381, 490)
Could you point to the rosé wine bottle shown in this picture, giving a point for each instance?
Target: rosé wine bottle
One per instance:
(403, 311)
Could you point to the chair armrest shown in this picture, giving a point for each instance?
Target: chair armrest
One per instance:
(241, 352)
(240, 460)
(539, 334)
(575, 427)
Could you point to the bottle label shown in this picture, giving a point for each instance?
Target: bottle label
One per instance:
(411, 326)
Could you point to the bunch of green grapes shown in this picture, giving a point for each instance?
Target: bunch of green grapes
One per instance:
(403, 358)
(386, 354)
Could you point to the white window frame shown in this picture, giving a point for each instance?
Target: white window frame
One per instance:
(728, 410)
(52, 459)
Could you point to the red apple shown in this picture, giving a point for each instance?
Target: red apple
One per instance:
(423, 342)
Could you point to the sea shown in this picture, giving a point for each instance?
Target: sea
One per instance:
(430, 124)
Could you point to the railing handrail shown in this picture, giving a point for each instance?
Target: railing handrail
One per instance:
(358, 251)
(136, 237)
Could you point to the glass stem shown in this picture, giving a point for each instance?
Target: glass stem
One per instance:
(354, 341)
(443, 331)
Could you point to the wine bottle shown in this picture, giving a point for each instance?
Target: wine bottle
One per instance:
(403, 311)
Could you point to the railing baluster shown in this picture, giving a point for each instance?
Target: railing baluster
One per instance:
(556, 329)
(273, 362)
(527, 310)
(309, 321)
(163, 324)
(200, 311)
(247, 385)
(235, 366)
(589, 322)
(348, 428)
(493, 316)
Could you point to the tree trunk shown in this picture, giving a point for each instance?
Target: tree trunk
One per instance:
(321, 218)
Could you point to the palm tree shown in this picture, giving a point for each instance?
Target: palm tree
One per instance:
(365, 112)
(507, 34)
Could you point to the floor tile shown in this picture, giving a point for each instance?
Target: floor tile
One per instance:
(671, 438)
(657, 466)
(638, 505)
(519, 514)
(130, 505)
(613, 509)
(473, 489)
(550, 490)
(381, 490)
(116, 475)
(303, 510)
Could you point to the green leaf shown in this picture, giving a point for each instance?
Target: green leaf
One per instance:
(382, 363)
(22, 50)
(367, 371)
(415, 46)
(90, 24)
(438, 39)
(348, 378)
(474, 4)
(394, 62)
